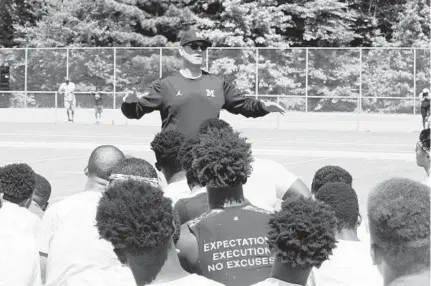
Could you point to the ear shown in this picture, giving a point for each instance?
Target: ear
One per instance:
(157, 165)
(86, 171)
(181, 51)
(121, 254)
(46, 206)
(358, 223)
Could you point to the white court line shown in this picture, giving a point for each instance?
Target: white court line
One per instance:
(410, 156)
(306, 161)
(150, 138)
(46, 160)
(73, 172)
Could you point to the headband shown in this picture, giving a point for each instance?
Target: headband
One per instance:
(152, 181)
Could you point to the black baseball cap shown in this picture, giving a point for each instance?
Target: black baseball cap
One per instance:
(192, 37)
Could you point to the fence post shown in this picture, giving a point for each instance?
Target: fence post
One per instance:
(67, 62)
(25, 77)
(256, 88)
(414, 81)
(115, 79)
(161, 63)
(306, 80)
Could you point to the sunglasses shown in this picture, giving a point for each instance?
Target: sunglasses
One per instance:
(195, 46)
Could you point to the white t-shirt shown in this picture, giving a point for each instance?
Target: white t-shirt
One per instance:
(350, 265)
(274, 282)
(69, 234)
(428, 182)
(267, 183)
(19, 258)
(177, 190)
(16, 217)
(68, 90)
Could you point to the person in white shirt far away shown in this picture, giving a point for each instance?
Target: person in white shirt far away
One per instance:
(166, 146)
(399, 217)
(138, 220)
(19, 259)
(68, 222)
(350, 263)
(17, 183)
(67, 89)
(423, 153)
(301, 236)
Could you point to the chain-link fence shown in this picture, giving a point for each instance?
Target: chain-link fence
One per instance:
(363, 80)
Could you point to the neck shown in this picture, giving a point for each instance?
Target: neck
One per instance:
(225, 197)
(191, 70)
(390, 274)
(96, 184)
(172, 177)
(347, 234)
(289, 274)
(171, 269)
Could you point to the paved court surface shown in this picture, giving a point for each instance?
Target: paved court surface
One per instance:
(60, 151)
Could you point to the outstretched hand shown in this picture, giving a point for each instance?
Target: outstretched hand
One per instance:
(270, 106)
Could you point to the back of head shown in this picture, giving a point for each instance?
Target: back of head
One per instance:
(166, 146)
(103, 160)
(214, 123)
(17, 182)
(330, 174)
(424, 139)
(222, 159)
(42, 191)
(344, 201)
(135, 167)
(399, 222)
(185, 157)
(138, 220)
(302, 233)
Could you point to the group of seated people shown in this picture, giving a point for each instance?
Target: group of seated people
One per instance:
(209, 213)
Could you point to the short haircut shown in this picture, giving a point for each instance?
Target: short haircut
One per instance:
(17, 182)
(136, 167)
(185, 156)
(166, 146)
(330, 174)
(424, 139)
(399, 222)
(214, 123)
(42, 191)
(344, 201)
(302, 233)
(222, 159)
(103, 159)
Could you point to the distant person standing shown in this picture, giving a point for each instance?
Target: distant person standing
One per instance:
(98, 101)
(192, 95)
(67, 89)
(425, 107)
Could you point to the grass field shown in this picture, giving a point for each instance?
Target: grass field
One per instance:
(60, 151)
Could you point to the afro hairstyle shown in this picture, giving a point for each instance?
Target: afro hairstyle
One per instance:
(344, 201)
(222, 159)
(42, 191)
(214, 123)
(136, 167)
(103, 159)
(302, 233)
(166, 146)
(424, 139)
(330, 174)
(399, 222)
(185, 157)
(17, 182)
(135, 216)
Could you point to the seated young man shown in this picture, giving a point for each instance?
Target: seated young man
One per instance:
(423, 153)
(227, 243)
(17, 182)
(138, 220)
(301, 236)
(351, 262)
(399, 218)
(270, 182)
(41, 195)
(166, 146)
